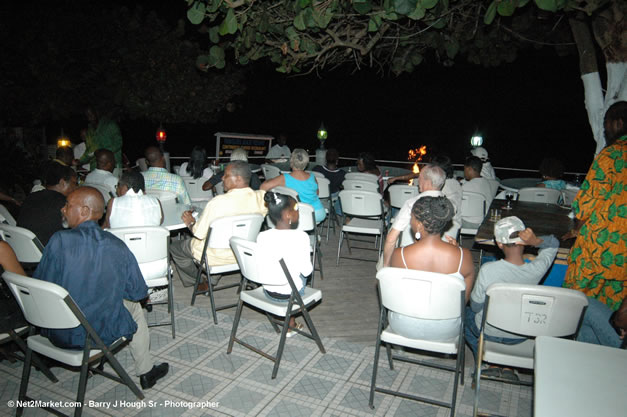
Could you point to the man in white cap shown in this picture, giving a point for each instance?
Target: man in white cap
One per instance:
(487, 171)
(511, 237)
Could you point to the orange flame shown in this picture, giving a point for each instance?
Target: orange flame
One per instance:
(416, 155)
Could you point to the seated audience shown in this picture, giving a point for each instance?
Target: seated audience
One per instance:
(476, 184)
(41, 211)
(431, 180)
(103, 174)
(279, 152)
(430, 218)
(335, 176)
(132, 207)
(287, 243)
(452, 190)
(158, 178)
(552, 170)
(197, 166)
(511, 237)
(301, 181)
(238, 199)
(109, 297)
(238, 154)
(367, 165)
(487, 171)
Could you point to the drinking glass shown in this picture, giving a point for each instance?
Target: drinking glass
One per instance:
(509, 196)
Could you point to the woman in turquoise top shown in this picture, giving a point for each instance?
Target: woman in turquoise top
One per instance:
(301, 181)
(552, 170)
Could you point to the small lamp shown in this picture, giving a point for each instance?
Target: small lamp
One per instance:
(63, 141)
(476, 140)
(322, 135)
(161, 135)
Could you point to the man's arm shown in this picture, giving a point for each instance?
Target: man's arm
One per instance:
(390, 245)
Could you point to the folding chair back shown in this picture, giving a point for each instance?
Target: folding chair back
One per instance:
(324, 186)
(362, 176)
(270, 171)
(6, 217)
(361, 203)
(219, 187)
(194, 189)
(287, 191)
(473, 207)
(165, 197)
(317, 174)
(43, 303)
(534, 310)
(149, 244)
(142, 164)
(399, 193)
(568, 196)
(360, 185)
(420, 294)
(246, 226)
(24, 243)
(539, 195)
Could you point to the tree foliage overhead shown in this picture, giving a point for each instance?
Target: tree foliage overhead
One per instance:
(131, 64)
(396, 35)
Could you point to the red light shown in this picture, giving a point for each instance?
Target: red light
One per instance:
(161, 135)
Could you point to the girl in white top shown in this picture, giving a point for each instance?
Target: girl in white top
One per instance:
(431, 216)
(287, 243)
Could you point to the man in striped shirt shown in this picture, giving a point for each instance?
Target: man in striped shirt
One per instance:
(158, 178)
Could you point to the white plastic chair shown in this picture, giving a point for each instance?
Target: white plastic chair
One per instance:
(287, 191)
(360, 185)
(568, 196)
(530, 311)
(474, 208)
(194, 189)
(142, 164)
(150, 245)
(24, 243)
(539, 195)
(365, 208)
(317, 174)
(270, 171)
(246, 254)
(362, 176)
(247, 227)
(6, 217)
(49, 306)
(421, 295)
(399, 193)
(324, 194)
(164, 197)
(307, 223)
(15, 336)
(219, 188)
(106, 192)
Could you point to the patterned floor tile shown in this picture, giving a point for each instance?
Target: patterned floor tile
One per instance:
(188, 352)
(197, 385)
(313, 386)
(409, 408)
(333, 363)
(287, 408)
(241, 399)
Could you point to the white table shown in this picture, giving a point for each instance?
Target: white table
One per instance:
(172, 214)
(579, 379)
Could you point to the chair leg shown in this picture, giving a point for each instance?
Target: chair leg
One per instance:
(319, 254)
(82, 381)
(238, 314)
(273, 323)
(339, 248)
(196, 284)
(459, 366)
(348, 243)
(478, 376)
(212, 300)
(126, 379)
(38, 363)
(375, 367)
(25, 378)
(312, 329)
(171, 306)
(279, 353)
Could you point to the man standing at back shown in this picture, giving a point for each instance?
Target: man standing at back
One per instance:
(238, 199)
(103, 174)
(158, 178)
(102, 276)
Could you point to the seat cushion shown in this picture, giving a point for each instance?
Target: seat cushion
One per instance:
(519, 355)
(43, 346)
(447, 346)
(258, 299)
(371, 227)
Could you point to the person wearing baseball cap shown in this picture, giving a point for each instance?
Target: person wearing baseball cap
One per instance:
(511, 237)
(487, 171)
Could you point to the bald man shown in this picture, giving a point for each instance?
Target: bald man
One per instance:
(158, 178)
(103, 174)
(80, 260)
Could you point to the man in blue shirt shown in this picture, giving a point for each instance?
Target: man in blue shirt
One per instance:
(102, 276)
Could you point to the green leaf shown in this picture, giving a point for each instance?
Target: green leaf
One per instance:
(196, 13)
(229, 24)
(416, 58)
(490, 14)
(291, 34)
(439, 24)
(418, 13)
(217, 54)
(299, 21)
(243, 60)
(404, 7)
(213, 6)
(322, 20)
(452, 48)
(362, 6)
(506, 7)
(390, 16)
(548, 5)
(522, 3)
(304, 3)
(202, 61)
(428, 4)
(213, 34)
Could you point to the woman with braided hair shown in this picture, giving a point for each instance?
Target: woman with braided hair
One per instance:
(287, 243)
(431, 217)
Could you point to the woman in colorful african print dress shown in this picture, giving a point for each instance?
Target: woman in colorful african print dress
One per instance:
(597, 264)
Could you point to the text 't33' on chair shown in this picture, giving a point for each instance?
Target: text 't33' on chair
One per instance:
(6, 217)
(474, 208)
(246, 253)
(24, 243)
(539, 195)
(47, 305)
(360, 185)
(194, 189)
(529, 311)
(247, 227)
(365, 208)
(270, 171)
(150, 244)
(362, 176)
(421, 295)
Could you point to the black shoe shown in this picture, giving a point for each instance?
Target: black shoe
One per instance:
(149, 379)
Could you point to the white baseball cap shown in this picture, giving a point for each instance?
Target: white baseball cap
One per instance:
(480, 153)
(504, 228)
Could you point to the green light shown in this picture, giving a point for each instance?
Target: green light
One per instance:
(322, 132)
